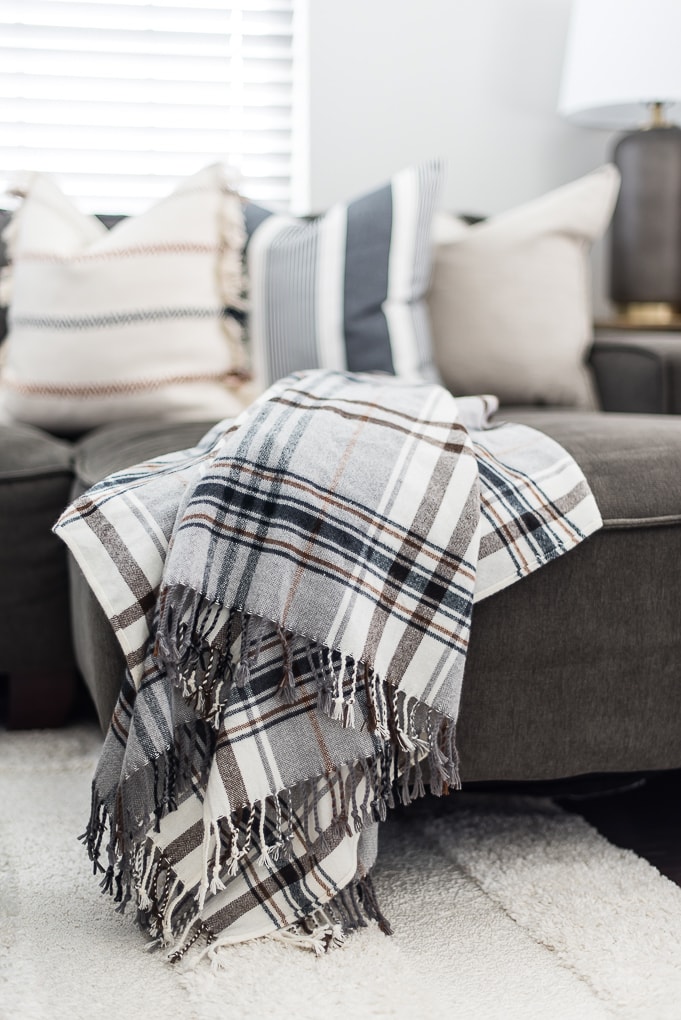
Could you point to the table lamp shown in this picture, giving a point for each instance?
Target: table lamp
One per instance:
(622, 69)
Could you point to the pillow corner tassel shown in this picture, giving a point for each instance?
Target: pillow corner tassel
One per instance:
(232, 281)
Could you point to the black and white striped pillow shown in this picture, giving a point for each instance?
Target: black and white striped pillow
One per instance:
(345, 290)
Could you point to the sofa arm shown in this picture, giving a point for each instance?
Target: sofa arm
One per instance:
(637, 371)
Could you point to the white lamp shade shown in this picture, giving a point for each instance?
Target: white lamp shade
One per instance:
(621, 55)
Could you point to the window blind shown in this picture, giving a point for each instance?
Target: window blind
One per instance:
(118, 99)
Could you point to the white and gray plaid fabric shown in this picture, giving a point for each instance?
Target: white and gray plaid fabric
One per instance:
(294, 600)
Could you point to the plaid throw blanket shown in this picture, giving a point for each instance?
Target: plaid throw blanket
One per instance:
(294, 600)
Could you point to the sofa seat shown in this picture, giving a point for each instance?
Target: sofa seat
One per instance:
(36, 656)
(577, 669)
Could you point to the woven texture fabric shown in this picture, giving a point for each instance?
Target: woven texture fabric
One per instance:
(510, 300)
(347, 289)
(140, 321)
(294, 599)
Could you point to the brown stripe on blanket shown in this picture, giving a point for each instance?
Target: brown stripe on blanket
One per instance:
(118, 552)
(449, 446)
(394, 412)
(190, 840)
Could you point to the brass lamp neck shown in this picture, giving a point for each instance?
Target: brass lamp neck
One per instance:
(657, 116)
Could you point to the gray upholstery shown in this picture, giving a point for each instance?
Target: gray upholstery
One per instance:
(574, 670)
(638, 371)
(35, 646)
(113, 447)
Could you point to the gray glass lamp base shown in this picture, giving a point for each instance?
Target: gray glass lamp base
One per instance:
(645, 255)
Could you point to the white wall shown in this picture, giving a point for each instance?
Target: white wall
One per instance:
(475, 81)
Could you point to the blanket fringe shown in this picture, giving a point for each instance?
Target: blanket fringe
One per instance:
(353, 907)
(279, 828)
(324, 929)
(170, 913)
(211, 648)
(128, 866)
(207, 648)
(165, 910)
(141, 872)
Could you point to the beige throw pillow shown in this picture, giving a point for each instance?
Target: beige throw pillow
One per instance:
(510, 298)
(133, 322)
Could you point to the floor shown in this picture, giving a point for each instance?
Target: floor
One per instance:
(644, 818)
(636, 812)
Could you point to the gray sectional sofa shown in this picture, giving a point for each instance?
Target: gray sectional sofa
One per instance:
(575, 670)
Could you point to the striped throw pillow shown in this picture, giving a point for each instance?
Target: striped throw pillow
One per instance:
(345, 290)
(140, 321)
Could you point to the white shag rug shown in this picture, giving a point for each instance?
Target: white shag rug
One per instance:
(502, 908)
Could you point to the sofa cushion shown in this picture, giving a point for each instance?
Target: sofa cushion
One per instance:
(113, 447)
(631, 461)
(347, 289)
(138, 321)
(510, 298)
(27, 452)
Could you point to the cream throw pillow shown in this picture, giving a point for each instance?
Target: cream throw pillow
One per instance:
(510, 298)
(132, 322)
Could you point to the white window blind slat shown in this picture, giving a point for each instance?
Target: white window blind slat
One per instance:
(178, 94)
(39, 113)
(140, 68)
(120, 100)
(51, 140)
(34, 41)
(179, 17)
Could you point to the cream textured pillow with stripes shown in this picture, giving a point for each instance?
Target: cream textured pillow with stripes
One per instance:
(140, 321)
(345, 290)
